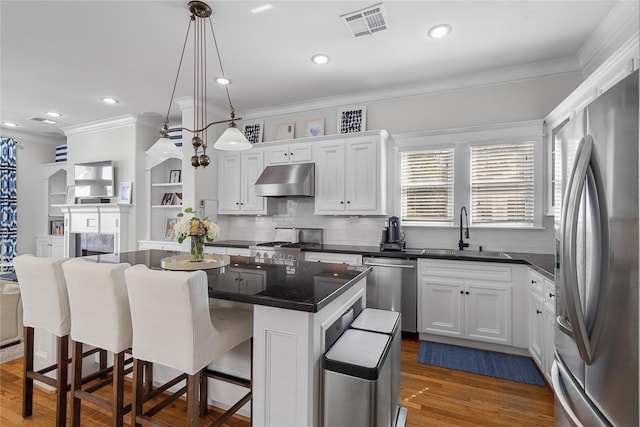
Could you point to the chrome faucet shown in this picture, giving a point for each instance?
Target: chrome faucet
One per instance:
(461, 243)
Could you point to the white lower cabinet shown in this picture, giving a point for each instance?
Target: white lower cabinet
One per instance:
(223, 250)
(541, 321)
(470, 300)
(50, 246)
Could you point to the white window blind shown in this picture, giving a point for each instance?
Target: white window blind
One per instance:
(502, 183)
(427, 185)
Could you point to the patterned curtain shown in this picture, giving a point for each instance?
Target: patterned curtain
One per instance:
(8, 201)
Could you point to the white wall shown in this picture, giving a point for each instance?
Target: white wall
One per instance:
(530, 99)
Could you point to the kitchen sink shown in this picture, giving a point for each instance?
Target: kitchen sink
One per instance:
(458, 253)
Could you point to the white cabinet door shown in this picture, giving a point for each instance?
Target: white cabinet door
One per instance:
(294, 153)
(252, 165)
(536, 319)
(549, 329)
(442, 305)
(229, 183)
(44, 247)
(57, 247)
(488, 313)
(361, 181)
(330, 178)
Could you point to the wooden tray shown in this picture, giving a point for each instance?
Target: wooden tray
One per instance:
(184, 263)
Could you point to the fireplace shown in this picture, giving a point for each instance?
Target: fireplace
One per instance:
(94, 244)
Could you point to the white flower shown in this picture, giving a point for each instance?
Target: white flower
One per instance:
(195, 227)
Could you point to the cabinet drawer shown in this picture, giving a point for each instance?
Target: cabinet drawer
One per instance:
(550, 291)
(467, 270)
(536, 282)
(110, 223)
(227, 251)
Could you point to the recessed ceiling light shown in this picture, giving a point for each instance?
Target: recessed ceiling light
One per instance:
(10, 124)
(108, 100)
(222, 81)
(262, 8)
(53, 114)
(49, 122)
(439, 31)
(320, 58)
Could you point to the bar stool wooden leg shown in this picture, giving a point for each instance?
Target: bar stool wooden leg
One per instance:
(118, 389)
(76, 383)
(148, 375)
(193, 386)
(138, 390)
(204, 395)
(62, 375)
(27, 381)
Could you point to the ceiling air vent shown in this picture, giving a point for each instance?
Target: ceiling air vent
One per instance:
(366, 21)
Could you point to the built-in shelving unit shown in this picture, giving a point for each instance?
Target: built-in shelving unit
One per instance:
(164, 198)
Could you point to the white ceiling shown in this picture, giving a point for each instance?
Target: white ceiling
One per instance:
(65, 55)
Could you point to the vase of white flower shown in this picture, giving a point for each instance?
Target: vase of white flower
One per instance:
(199, 230)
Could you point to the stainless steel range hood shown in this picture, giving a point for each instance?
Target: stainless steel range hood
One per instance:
(296, 180)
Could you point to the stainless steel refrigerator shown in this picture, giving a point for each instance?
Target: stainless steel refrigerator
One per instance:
(595, 372)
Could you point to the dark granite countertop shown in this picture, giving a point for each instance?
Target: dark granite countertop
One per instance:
(306, 286)
(543, 263)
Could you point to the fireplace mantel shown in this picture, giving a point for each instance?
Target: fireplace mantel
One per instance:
(104, 218)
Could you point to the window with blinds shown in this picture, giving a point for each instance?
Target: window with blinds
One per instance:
(502, 187)
(427, 185)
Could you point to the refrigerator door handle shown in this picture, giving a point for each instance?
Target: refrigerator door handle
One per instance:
(560, 394)
(570, 272)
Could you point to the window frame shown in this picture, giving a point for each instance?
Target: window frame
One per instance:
(461, 139)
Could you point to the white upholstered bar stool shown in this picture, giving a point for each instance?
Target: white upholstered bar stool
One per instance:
(175, 325)
(45, 306)
(100, 317)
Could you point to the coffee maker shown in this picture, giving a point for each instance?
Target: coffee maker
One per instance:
(392, 235)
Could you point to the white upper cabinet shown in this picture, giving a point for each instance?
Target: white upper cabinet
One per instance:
(237, 174)
(293, 153)
(351, 175)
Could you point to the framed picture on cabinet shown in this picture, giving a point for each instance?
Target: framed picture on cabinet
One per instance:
(124, 196)
(352, 119)
(285, 131)
(314, 127)
(170, 228)
(167, 199)
(57, 227)
(253, 131)
(174, 175)
(70, 197)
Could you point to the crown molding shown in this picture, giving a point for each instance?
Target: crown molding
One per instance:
(100, 125)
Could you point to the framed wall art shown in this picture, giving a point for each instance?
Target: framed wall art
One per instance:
(253, 131)
(314, 127)
(174, 175)
(167, 199)
(285, 131)
(352, 119)
(169, 228)
(125, 193)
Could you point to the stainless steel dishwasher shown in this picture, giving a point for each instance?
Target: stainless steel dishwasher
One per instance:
(393, 285)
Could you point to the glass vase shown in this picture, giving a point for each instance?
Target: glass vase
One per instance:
(197, 248)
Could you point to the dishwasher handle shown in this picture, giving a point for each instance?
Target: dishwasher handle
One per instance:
(377, 264)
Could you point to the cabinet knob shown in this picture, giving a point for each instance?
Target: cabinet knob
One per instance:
(533, 282)
(467, 292)
(348, 201)
(538, 312)
(237, 203)
(341, 202)
(551, 295)
(286, 154)
(461, 292)
(291, 154)
(241, 204)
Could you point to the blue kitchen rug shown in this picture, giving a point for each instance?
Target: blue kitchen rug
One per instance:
(499, 365)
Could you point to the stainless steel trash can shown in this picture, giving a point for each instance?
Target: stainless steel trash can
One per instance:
(357, 380)
(387, 322)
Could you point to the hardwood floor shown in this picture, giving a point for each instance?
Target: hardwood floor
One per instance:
(433, 396)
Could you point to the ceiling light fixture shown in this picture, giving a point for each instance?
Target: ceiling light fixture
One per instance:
(108, 100)
(231, 139)
(10, 124)
(223, 81)
(49, 122)
(263, 8)
(53, 114)
(439, 31)
(320, 58)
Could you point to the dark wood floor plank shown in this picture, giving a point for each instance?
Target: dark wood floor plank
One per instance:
(433, 396)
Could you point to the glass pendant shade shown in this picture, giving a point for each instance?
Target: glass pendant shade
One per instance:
(165, 147)
(232, 140)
